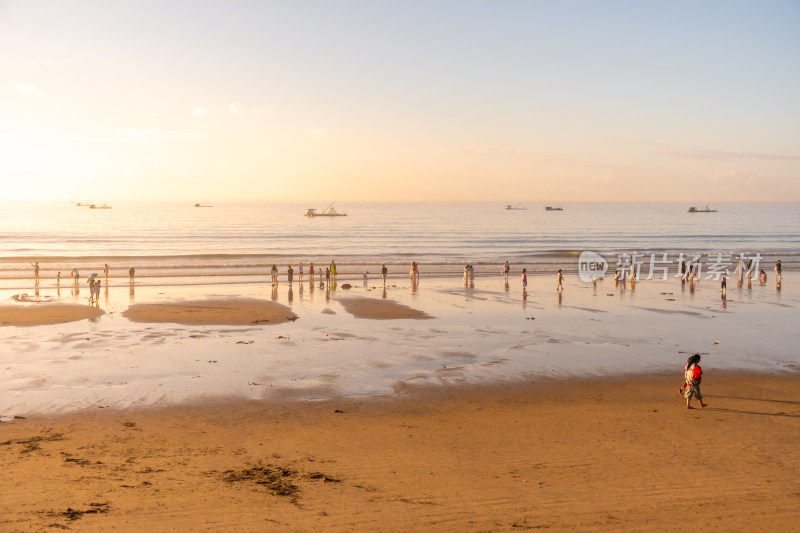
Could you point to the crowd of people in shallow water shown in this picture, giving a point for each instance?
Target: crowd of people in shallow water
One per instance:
(688, 273)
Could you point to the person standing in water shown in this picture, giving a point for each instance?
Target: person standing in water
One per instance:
(274, 274)
(524, 279)
(300, 273)
(290, 274)
(506, 270)
(131, 274)
(560, 278)
(724, 285)
(35, 272)
(384, 272)
(778, 275)
(333, 270)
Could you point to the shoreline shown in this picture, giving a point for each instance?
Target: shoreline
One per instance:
(611, 454)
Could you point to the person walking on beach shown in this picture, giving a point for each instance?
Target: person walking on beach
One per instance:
(289, 274)
(724, 285)
(75, 274)
(311, 272)
(693, 375)
(560, 278)
(384, 272)
(131, 274)
(524, 279)
(327, 276)
(414, 272)
(333, 270)
(300, 273)
(506, 270)
(35, 272)
(58, 279)
(778, 275)
(274, 274)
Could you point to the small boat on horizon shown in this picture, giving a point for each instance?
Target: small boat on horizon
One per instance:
(327, 212)
(104, 206)
(517, 207)
(203, 205)
(706, 209)
(551, 208)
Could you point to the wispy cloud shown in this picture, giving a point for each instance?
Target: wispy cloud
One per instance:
(27, 90)
(723, 155)
(156, 136)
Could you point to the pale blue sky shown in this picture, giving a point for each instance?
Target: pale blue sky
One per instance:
(502, 101)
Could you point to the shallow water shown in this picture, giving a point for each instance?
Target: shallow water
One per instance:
(483, 334)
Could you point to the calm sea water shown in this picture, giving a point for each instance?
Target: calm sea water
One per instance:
(165, 240)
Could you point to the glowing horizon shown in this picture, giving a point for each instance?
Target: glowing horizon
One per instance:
(196, 101)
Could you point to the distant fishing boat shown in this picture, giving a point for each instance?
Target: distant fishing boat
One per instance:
(550, 208)
(203, 205)
(517, 207)
(706, 209)
(104, 206)
(82, 204)
(327, 212)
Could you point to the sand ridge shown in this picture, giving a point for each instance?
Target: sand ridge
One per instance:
(46, 314)
(378, 309)
(226, 312)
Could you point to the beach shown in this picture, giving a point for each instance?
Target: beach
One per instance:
(409, 407)
(577, 455)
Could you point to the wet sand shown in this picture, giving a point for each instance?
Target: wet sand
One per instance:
(579, 455)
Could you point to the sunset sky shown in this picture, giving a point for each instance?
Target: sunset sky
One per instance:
(404, 100)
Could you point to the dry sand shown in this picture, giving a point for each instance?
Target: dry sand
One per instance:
(228, 311)
(579, 456)
(45, 314)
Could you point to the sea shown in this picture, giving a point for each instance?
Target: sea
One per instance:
(179, 243)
